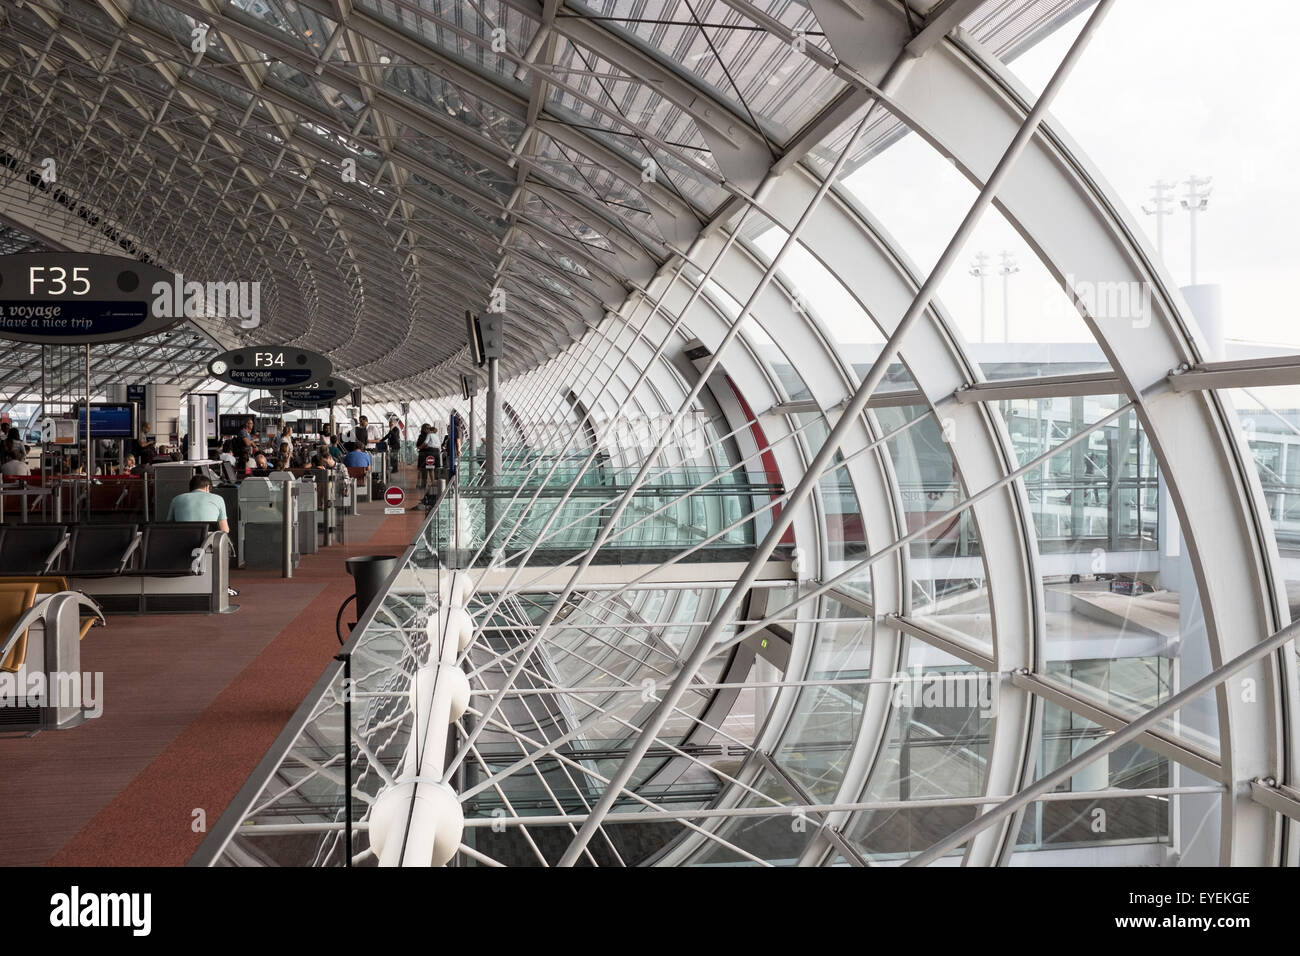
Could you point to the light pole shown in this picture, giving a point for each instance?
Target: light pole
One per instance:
(1195, 200)
(980, 269)
(1161, 206)
(1007, 269)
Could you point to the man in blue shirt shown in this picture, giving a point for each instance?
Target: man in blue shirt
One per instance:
(356, 458)
(199, 504)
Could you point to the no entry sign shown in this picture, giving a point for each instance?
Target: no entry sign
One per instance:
(394, 496)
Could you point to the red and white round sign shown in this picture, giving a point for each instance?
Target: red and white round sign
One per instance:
(394, 496)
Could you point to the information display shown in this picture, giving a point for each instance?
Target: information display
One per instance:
(270, 366)
(107, 420)
(73, 298)
(231, 425)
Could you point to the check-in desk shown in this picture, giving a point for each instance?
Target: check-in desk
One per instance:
(378, 474)
(230, 495)
(308, 497)
(261, 523)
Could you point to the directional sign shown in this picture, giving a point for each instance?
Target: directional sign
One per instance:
(266, 406)
(270, 366)
(394, 496)
(318, 394)
(74, 298)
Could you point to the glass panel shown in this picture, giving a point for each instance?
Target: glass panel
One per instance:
(936, 753)
(826, 718)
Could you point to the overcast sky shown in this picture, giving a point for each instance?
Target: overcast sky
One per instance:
(1166, 88)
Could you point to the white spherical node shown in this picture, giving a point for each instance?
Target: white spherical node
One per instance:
(460, 627)
(448, 819)
(421, 688)
(437, 823)
(462, 587)
(455, 623)
(388, 803)
(458, 685)
(455, 589)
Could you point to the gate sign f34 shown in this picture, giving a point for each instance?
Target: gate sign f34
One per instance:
(270, 366)
(70, 298)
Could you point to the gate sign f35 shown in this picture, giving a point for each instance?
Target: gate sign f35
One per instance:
(71, 298)
(319, 394)
(270, 366)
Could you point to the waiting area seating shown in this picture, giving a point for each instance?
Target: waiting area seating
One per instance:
(167, 567)
(42, 623)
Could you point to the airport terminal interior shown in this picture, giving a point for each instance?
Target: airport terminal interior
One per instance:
(649, 433)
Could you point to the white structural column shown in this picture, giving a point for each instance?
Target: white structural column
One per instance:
(417, 819)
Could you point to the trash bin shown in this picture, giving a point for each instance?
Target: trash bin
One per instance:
(369, 572)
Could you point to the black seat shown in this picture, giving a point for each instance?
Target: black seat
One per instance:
(100, 551)
(172, 549)
(29, 548)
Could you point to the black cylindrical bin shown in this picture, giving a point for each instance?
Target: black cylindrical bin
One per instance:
(369, 571)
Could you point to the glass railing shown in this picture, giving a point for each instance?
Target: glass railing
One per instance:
(558, 520)
(351, 735)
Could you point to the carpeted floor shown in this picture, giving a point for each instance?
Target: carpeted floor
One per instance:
(191, 704)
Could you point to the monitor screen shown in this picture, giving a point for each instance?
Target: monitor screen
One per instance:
(107, 421)
(231, 425)
(308, 426)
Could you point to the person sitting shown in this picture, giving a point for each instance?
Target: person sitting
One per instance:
(14, 466)
(356, 458)
(335, 465)
(227, 451)
(199, 504)
(317, 470)
(260, 467)
(336, 450)
(14, 443)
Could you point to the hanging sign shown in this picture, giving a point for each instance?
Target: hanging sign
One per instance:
(318, 394)
(71, 298)
(270, 366)
(266, 406)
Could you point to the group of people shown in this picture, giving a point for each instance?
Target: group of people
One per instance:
(247, 456)
(14, 452)
(287, 450)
